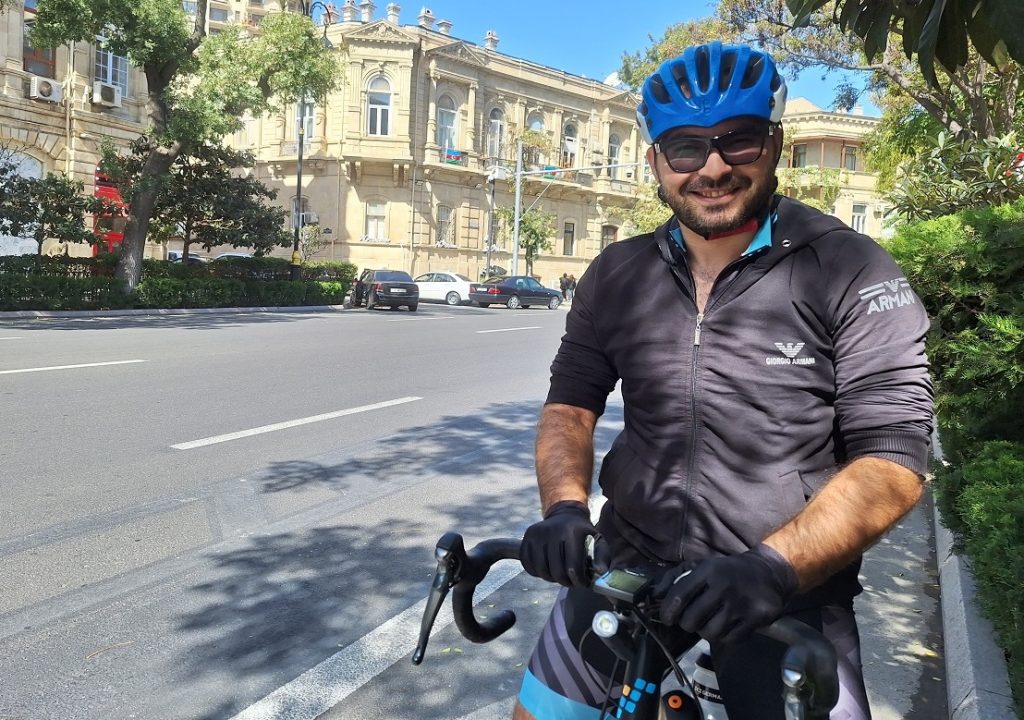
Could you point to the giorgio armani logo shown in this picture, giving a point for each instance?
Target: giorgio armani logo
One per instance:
(887, 295)
(790, 355)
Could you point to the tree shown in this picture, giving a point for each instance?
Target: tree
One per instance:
(203, 199)
(930, 29)
(974, 101)
(49, 207)
(647, 211)
(198, 86)
(535, 229)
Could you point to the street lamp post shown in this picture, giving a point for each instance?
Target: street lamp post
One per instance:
(296, 266)
(497, 173)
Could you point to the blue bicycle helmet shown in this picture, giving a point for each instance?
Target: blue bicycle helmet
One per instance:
(708, 84)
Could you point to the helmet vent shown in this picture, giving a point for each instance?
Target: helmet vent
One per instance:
(776, 82)
(703, 69)
(726, 70)
(658, 90)
(679, 73)
(753, 72)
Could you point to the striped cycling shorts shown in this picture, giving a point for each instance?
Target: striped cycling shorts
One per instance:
(560, 685)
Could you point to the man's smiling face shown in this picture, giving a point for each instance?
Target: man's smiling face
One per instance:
(717, 197)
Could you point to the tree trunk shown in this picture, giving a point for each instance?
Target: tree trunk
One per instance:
(129, 266)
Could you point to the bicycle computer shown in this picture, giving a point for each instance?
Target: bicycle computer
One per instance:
(627, 585)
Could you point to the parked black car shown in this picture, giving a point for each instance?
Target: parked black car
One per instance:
(393, 288)
(514, 292)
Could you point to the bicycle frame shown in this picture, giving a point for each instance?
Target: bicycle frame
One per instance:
(809, 671)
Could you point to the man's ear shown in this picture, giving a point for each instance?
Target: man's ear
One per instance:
(652, 163)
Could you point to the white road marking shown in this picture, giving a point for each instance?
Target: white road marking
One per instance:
(418, 319)
(290, 424)
(531, 327)
(11, 338)
(70, 367)
(324, 686)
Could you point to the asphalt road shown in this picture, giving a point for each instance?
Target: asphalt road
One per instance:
(237, 520)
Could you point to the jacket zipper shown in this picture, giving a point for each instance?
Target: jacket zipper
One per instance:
(693, 398)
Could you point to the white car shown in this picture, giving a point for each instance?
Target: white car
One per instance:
(446, 287)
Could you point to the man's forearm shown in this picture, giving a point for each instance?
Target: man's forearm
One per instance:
(565, 453)
(851, 512)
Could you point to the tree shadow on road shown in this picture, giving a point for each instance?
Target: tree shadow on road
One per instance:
(179, 321)
(285, 601)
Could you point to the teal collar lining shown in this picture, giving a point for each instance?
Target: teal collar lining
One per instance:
(762, 238)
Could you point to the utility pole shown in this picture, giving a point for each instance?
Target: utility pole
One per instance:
(518, 210)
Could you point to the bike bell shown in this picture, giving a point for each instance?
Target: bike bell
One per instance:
(705, 684)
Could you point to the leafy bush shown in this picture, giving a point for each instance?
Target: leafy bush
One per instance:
(79, 267)
(251, 268)
(47, 292)
(954, 175)
(968, 270)
(982, 503)
(325, 270)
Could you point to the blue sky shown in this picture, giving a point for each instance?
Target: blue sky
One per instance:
(583, 37)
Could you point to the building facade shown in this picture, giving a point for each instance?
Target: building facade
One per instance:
(818, 139)
(405, 162)
(57, 107)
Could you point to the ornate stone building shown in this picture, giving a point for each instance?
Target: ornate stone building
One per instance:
(57, 106)
(399, 162)
(817, 138)
(405, 162)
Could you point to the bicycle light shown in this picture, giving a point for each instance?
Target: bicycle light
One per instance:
(605, 623)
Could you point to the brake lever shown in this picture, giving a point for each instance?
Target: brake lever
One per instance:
(450, 554)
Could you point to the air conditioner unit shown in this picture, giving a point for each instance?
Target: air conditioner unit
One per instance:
(106, 94)
(40, 88)
(310, 218)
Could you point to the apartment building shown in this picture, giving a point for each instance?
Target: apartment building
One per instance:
(404, 163)
(822, 139)
(57, 106)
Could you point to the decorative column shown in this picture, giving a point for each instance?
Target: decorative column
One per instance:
(471, 124)
(432, 106)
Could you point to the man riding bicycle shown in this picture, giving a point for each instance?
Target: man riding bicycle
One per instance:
(777, 405)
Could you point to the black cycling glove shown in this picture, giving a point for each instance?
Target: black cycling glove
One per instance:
(554, 548)
(725, 599)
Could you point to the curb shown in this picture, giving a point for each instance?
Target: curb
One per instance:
(21, 314)
(977, 683)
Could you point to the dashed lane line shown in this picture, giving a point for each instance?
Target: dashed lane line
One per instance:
(530, 327)
(322, 687)
(202, 442)
(70, 367)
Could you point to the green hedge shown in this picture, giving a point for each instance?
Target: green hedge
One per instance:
(43, 292)
(968, 270)
(982, 503)
(44, 283)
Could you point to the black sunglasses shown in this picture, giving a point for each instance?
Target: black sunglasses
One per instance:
(689, 153)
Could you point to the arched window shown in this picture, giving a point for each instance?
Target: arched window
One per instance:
(614, 146)
(446, 123)
(534, 156)
(569, 145)
(496, 134)
(25, 166)
(378, 107)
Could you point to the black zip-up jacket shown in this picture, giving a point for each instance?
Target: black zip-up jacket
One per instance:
(808, 354)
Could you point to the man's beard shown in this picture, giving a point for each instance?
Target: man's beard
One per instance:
(706, 223)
